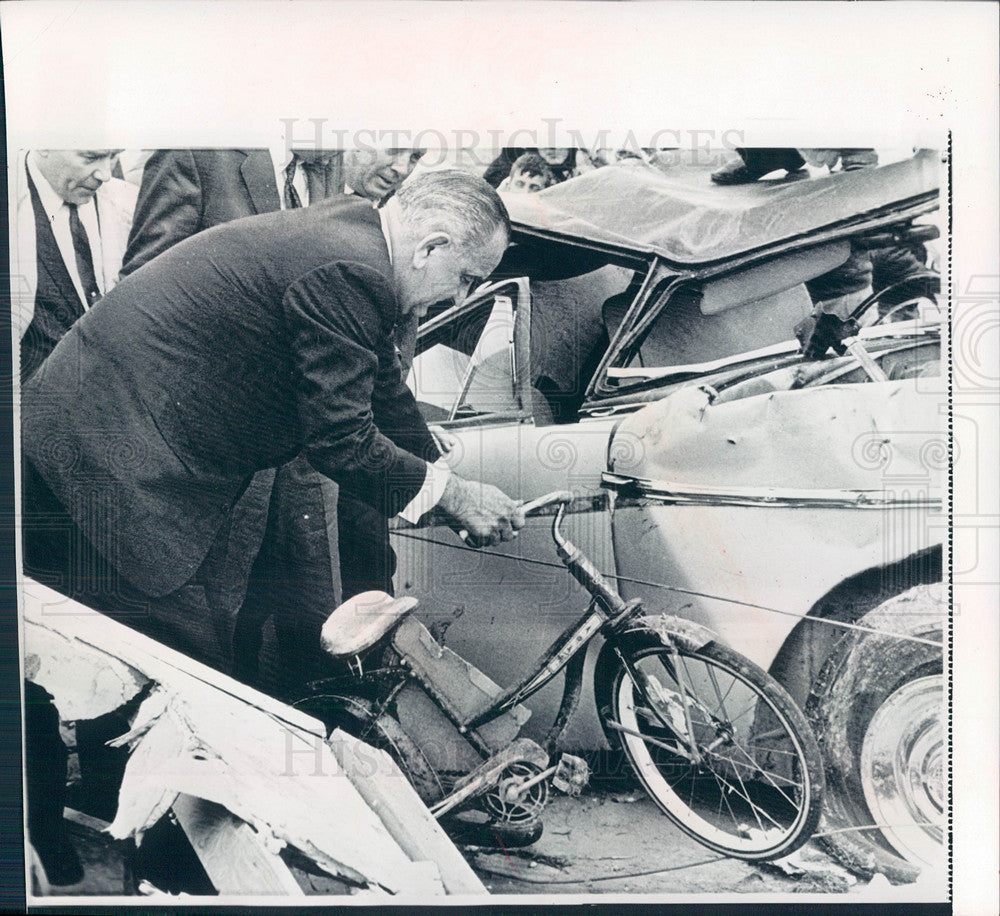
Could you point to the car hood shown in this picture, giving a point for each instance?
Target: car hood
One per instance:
(685, 219)
(850, 437)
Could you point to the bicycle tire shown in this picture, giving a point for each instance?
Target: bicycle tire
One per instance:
(357, 716)
(715, 802)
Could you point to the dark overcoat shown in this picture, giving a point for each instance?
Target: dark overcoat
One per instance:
(230, 353)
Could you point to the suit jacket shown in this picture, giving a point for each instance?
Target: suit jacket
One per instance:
(116, 201)
(230, 353)
(184, 191)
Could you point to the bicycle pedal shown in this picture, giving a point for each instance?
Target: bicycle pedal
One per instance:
(572, 775)
(523, 749)
(485, 776)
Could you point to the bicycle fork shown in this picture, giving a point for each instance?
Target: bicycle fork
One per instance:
(652, 695)
(617, 612)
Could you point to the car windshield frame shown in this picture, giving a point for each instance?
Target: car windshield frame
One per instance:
(664, 281)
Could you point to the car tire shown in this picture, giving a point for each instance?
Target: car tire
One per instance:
(877, 708)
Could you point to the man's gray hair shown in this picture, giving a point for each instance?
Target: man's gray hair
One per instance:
(454, 200)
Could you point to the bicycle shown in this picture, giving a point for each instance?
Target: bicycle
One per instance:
(717, 743)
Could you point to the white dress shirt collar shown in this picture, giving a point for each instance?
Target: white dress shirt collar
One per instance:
(281, 157)
(384, 224)
(52, 203)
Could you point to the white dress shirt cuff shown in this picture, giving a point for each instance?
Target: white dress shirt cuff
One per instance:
(429, 494)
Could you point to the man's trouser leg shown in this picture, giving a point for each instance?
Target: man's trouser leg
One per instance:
(367, 561)
(197, 619)
(321, 547)
(45, 758)
(296, 575)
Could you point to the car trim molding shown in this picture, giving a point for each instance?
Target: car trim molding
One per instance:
(634, 491)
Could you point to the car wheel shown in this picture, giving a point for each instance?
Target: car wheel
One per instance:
(877, 708)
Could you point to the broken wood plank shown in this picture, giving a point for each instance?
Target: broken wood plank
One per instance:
(94, 689)
(85, 820)
(231, 852)
(390, 795)
(69, 619)
(204, 734)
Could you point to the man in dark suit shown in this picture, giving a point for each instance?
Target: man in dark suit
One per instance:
(187, 190)
(72, 222)
(313, 546)
(233, 352)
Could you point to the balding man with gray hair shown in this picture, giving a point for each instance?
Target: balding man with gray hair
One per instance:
(232, 352)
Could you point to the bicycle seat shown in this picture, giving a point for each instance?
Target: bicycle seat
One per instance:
(362, 621)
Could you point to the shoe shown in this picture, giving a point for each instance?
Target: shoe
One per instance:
(477, 833)
(756, 163)
(733, 173)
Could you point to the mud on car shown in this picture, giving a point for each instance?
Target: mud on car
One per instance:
(637, 345)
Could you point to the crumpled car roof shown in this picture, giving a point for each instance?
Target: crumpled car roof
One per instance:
(683, 217)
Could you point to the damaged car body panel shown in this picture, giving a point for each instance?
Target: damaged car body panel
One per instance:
(768, 502)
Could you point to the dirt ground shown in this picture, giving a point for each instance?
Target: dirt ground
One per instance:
(604, 843)
(619, 842)
(609, 843)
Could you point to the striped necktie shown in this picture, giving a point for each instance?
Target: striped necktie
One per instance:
(84, 256)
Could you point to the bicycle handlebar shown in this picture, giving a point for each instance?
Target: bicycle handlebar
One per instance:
(580, 567)
(556, 496)
(533, 505)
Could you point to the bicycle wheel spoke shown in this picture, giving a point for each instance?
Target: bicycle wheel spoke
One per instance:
(767, 776)
(718, 693)
(754, 807)
(686, 688)
(757, 769)
(764, 737)
(746, 795)
(724, 796)
(722, 716)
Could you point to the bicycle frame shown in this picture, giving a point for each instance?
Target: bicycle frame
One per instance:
(607, 613)
(672, 716)
(605, 607)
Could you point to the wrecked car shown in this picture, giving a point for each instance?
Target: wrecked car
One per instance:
(637, 345)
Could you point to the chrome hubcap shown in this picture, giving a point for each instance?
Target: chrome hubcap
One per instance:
(902, 769)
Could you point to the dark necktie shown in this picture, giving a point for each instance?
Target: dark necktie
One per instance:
(292, 199)
(319, 180)
(84, 256)
(315, 179)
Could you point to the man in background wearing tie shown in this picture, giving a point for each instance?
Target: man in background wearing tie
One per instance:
(313, 546)
(73, 221)
(187, 190)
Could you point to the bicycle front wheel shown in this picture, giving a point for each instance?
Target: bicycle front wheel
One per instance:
(716, 742)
